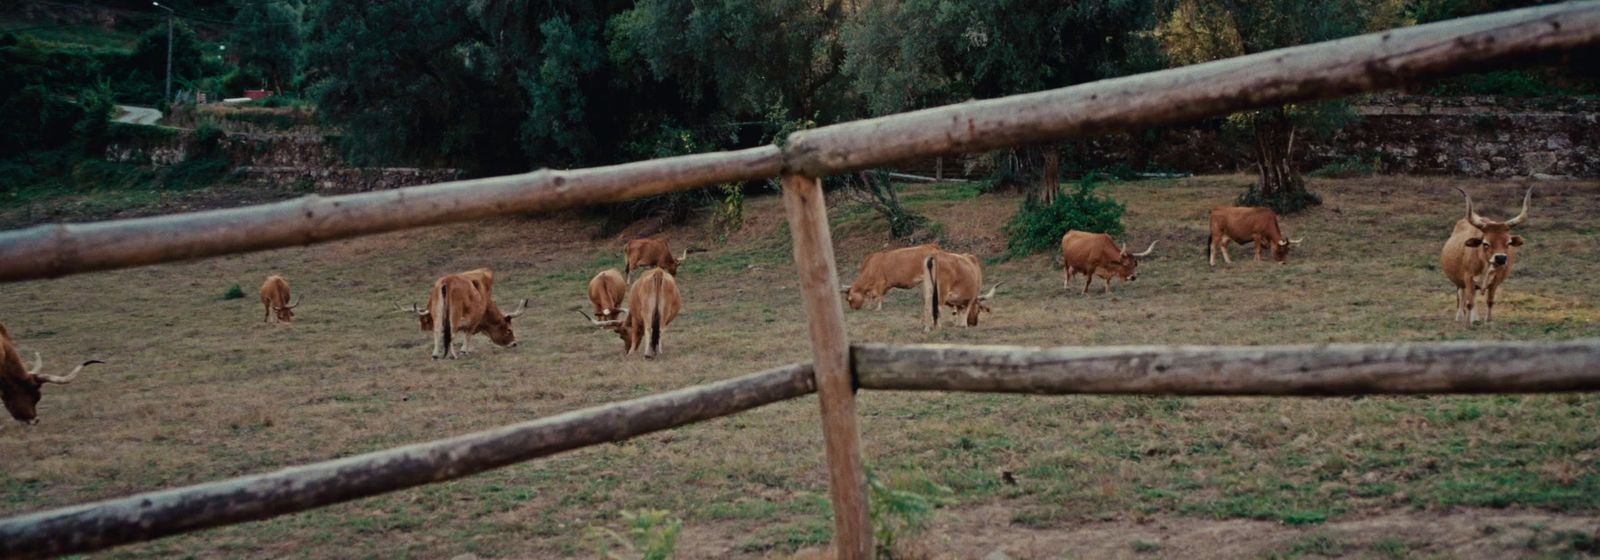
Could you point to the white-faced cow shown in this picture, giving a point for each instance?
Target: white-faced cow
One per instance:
(641, 253)
(464, 303)
(19, 385)
(606, 291)
(1243, 224)
(886, 270)
(1095, 254)
(1479, 255)
(655, 302)
(275, 300)
(953, 279)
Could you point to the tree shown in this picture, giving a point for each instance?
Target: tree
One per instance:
(1194, 31)
(414, 82)
(266, 38)
(145, 70)
(907, 54)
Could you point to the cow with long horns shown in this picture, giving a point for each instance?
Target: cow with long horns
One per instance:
(1479, 255)
(1247, 224)
(464, 303)
(656, 302)
(606, 291)
(20, 385)
(1096, 254)
(953, 280)
(275, 300)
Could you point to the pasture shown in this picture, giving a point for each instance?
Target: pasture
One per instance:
(198, 388)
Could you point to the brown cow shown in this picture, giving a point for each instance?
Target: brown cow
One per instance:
(953, 279)
(1094, 254)
(606, 290)
(641, 253)
(886, 270)
(656, 302)
(463, 303)
(1479, 255)
(275, 298)
(19, 386)
(1243, 224)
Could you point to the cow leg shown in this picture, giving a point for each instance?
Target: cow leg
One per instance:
(1472, 298)
(266, 312)
(1223, 245)
(880, 303)
(1066, 277)
(1108, 286)
(1088, 282)
(1459, 307)
(1488, 303)
(465, 340)
(1259, 245)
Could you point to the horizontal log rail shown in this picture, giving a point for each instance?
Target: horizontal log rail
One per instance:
(1318, 71)
(154, 515)
(1333, 369)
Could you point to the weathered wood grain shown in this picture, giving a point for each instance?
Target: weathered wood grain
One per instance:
(830, 351)
(1317, 71)
(144, 517)
(49, 251)
(1335, 369)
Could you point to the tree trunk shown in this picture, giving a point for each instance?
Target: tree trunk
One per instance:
(1280, 186)
(1049, 184)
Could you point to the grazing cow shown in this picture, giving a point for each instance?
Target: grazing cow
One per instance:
(464, 303)
(275, 299)
(953, 279)
(19, 386)
(1241, 224)
(605, 292)
(1479, 255)
(641, 253)
(886, 270)
(656, 303)
(1096, 254)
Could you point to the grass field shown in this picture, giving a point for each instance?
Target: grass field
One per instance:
(199, 389)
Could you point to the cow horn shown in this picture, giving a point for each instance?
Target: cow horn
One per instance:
(991, 292)
(1514, 222)
(294, 304)
(521, 308)
(1296, 241)
(685, 254)
(1147, 252)
(598, 323)
(65, 378)
(414, 309)
(38, 362)
(1472, 216)
(845, 289)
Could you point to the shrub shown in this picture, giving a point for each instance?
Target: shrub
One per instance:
(901, 510)
(1292, 198)
(234, 292)
(1038, 227)
(648, 535)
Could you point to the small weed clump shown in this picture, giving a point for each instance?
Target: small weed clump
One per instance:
(901, 510)
(649, 534)
(234, 292)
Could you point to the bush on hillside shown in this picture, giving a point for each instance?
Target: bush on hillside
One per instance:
(1038, 227)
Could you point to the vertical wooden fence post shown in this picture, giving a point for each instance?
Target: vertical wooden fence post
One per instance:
(819, 285)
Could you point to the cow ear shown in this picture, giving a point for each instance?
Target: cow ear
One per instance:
(1516, 241)
(1474, 242)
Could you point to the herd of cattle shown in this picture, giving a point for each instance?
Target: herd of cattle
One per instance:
(1478, 256)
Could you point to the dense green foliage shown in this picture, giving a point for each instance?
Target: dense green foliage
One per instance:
(1039, 227)
(266, 37)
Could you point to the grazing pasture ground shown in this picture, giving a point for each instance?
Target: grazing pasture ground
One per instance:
(198, 388)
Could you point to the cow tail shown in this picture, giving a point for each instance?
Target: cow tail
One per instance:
(930, 289)
(441, 327)
(653, 335)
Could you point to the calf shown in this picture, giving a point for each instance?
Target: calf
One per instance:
(19, 385)
(606, 291)
(656, 302)
(275, 299)
(1096, 254)
(463, 303)
(953, 279)
(1479, 255)
(1241, 224)
(886, 270)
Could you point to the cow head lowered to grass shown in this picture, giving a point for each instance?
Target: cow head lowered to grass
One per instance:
(655, 303)
(20, 386)
(463, 303)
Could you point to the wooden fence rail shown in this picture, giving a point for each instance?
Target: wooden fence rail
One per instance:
(1322, 70)
(154, 515)
(1335, 369)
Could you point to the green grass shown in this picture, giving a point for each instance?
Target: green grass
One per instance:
(70, 37)
(199, 389)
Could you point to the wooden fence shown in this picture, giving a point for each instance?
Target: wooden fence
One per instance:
(1318, 71)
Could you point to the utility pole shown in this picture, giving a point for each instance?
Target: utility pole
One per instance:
(170, 14)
